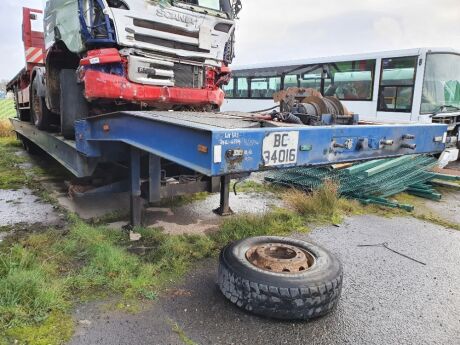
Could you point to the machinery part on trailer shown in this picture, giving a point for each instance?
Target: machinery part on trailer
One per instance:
(293, 95)
(40, 115)
(264, 110)
(311, 108)
(280, 277)
(288, 118)
(73, 105)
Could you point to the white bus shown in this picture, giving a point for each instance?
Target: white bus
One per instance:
(412, 85)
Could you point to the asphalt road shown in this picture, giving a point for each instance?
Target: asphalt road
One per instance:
(386, 298)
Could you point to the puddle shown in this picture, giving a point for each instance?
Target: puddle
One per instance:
(22, 207)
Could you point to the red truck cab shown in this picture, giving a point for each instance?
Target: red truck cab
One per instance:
(98, 56)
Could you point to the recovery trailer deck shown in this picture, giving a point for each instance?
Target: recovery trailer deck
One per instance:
(220, 145)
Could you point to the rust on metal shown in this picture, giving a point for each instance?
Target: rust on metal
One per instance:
(280, 258)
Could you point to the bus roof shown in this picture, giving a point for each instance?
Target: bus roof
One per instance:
(342, 58)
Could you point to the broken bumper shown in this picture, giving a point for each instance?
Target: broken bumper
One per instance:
(100, 85)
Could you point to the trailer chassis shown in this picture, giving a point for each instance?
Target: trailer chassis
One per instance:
(220, 146)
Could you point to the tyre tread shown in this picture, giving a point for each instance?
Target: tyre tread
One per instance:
(283, 303)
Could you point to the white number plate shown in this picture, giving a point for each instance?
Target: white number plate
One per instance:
(280, 148)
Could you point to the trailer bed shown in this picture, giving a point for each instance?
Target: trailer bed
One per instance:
(219, 145)
(216, 144)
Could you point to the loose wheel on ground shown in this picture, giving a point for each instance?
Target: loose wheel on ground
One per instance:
(280, 277)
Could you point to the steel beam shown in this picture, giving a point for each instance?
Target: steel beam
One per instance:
(135, 182)
(154, 178)
(64, 151)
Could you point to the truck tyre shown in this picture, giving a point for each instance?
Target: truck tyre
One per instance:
(40, 115)
(73, 105)
(280, 277)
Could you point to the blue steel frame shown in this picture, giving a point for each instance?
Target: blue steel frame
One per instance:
(196, 145)
(88, 28)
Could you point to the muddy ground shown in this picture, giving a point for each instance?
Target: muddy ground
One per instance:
(386, 298)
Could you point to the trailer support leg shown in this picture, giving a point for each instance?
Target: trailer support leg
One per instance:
(224, 208)
(135, 182)
(154, 178)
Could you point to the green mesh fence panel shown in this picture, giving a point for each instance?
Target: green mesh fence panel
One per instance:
(390, 181)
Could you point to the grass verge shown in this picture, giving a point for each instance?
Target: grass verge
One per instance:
(43, 274)
(323, 205)
(11, 176)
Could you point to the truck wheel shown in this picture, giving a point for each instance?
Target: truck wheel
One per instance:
(40, 115)
(73, 104)
(280, 277)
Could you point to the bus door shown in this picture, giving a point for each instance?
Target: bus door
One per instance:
(396, 90)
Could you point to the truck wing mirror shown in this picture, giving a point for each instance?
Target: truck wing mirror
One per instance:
(237, 6)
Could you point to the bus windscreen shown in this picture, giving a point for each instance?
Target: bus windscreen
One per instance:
(441, 84)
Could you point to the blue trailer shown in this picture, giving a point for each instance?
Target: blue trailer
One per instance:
(218, 146)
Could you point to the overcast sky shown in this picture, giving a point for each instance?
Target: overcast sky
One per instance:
(274, 30)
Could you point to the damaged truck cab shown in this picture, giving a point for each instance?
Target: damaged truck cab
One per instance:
(107, 55)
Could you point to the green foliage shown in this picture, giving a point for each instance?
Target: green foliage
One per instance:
(57, 329)
(11, 176)
(183, 199)
(250, 186)
(7, 109)
(278, 222)
(322, 204)
(27, 291)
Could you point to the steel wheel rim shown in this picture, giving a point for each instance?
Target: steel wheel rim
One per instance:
(280, 258)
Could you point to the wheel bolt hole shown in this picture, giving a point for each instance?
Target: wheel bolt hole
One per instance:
(301, 268)
(286, 270)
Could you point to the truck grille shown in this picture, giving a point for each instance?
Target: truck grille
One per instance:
(188, 76)
(164, 73)
(168, 43)
(147, 24)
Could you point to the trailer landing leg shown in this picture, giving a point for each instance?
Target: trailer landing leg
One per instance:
(224, 208)
(135, 182)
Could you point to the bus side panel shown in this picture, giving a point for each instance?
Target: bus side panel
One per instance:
(246, 104)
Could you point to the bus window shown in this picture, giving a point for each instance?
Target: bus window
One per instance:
(291, 81)
(397, 84)
(312, 79)
(351, 80)
(228, 89)
(242, 89)
(265, 87)
(441, 84)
